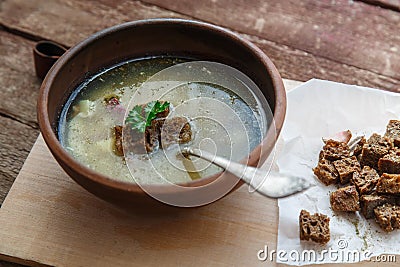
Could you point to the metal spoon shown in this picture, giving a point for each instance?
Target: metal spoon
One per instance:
(272, 184)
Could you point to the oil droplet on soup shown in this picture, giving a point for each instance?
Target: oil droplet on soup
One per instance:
(86, 127)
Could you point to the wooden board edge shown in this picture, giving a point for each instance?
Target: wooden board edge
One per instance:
(17, 260)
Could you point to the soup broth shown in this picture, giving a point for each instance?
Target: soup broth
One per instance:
(232, 127)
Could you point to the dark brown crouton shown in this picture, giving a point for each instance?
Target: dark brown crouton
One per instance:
(175, 130)
(388, 217)
(163, 114)
(358, 147)
(393, 131)
(314, 227)
(161, 131)
(376, 147)
(152, 134)
(345, 199)
(326, 172)
(389, 184)
(118, 148)
(369, 202)
(390, 163)
(346, 167)
(334, 150)
(366, 180)
(139, 143)
(135, 141)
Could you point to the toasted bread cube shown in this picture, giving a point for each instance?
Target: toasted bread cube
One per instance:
(366, 180)
(389, 184)
(369, 202)
(345, 199)
(393, 131)
(346, 167)
(334, 150)
(326, 172)
(376, 147)
(390, 163)
(118, 148)
(314, 227)
(176, 130)
(388, 217)
(359, 146)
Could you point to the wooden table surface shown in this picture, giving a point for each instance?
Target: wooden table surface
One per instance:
(356, 42)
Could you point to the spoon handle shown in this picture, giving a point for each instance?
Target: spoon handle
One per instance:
(269, 184)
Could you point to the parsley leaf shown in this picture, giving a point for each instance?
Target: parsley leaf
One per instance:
(141, 116)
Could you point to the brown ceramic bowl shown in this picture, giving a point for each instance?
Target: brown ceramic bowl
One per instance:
(154, 37)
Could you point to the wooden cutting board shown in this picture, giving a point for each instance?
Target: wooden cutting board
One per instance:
(47, 219)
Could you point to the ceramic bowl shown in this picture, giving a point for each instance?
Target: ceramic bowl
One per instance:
(154, 37)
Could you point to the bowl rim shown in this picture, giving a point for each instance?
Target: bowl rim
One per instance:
(61, 154)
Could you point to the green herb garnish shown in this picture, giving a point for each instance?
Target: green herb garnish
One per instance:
(141, 116)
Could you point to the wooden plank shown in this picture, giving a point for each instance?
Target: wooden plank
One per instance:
(69, 22)
(353, 33)
(18, 94)
(20, 87)
(85, 17)
(16, 140)
(299, 65)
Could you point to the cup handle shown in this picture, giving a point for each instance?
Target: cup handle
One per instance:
(45, 54)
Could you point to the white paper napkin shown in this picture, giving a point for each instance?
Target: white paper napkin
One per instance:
(321, 108)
